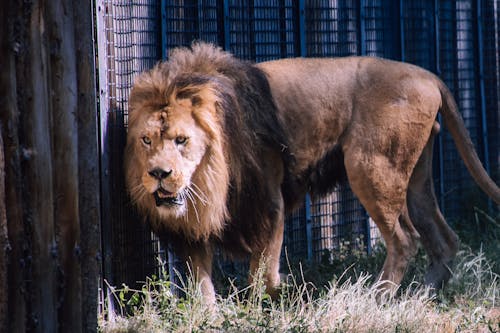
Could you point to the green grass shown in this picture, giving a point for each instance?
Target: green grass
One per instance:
(348, 303)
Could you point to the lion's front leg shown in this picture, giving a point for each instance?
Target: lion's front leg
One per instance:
(269, 249)
(200, 259)
(270, 254)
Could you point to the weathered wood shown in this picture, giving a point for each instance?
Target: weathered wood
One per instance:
(4, 244)
(37, 168)
(4, 295)
(63, 93)
(12, 43)
(88, 163)
(48, 153)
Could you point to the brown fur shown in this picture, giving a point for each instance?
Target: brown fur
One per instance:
(260, 136)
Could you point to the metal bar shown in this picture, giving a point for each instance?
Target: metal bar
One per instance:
(480, 64)
(368, 235)
(395, 31)
(251, 33)
(104, 96)
(361, 28)
(482, 100)
(437, 58)
(163, 29)
(301, 22)
(282, 27)
(225, 18)
(437, 70)
(362, 51)
(308, 227)
(199, 18)
(402, 30)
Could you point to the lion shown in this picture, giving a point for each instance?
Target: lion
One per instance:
(220, 149)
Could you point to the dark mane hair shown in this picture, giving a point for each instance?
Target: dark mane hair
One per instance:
(249, 124)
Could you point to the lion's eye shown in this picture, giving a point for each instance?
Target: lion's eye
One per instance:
(180, 140)
(146, 140)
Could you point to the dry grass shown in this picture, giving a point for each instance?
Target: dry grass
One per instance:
(469, 304)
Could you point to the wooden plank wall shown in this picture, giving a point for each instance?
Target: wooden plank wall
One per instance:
(49, 168)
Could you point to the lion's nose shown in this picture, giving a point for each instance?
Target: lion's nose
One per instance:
(159, 173)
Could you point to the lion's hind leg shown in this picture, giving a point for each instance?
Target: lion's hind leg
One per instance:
(437, 238)
(381, 188)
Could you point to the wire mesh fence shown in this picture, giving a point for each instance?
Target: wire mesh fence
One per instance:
(458, 40)
(128, 43)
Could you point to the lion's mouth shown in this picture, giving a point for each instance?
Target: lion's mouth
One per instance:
(166, 198)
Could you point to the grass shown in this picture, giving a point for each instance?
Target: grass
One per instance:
(348, 303)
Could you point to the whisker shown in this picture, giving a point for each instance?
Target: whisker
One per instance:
(201, 196)
(183, 196)
(200, 191)
(190, 197)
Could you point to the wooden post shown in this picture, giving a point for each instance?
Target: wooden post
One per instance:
(63, 88)
(34, 100)
(4, 244)
(49, 175)
(88, 166)
(9, 117)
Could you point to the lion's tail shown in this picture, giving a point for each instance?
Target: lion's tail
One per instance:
(465, 147)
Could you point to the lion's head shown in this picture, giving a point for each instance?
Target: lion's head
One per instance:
(199, 127)
(176, 169)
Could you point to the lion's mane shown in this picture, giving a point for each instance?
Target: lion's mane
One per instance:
(243, 123)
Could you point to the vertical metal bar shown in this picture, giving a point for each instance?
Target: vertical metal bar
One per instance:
(300, 50)
(200, 16)
(163, 29)
(251, 33)
(301, 20)
(361, 27)
(102, 47)
(482, 101)
(391, 26)
(362, 51)
(402, 29)
(437, 58)
(282, 27)
(480, 63)
(437, 70)
(102, 26)
(368, 235)
(308, 227)
(227, 33)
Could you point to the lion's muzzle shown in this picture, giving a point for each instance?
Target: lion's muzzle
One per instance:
(162, 196)
(166, 198)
